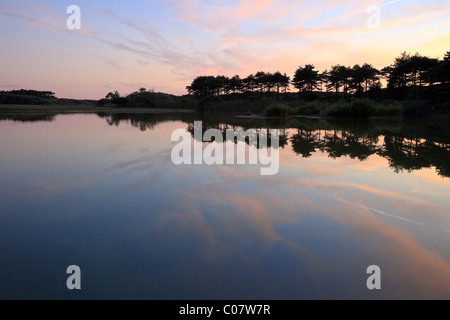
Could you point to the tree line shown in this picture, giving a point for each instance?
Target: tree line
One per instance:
(407, 71)
(220, 85)
(27, 97)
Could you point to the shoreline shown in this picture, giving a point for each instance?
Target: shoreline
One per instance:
(51, 109)
(424, 113)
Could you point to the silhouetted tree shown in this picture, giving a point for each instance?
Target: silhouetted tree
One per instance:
(439, 73)
(323, 80)
(113, 95)
(281, 81)
(420, 66)
(357, 78)
(370, 75)
(115, 98)
(306, 78)
(260, 80)
(345, 74)
(362, 78)
(335, 80)
(234, 84)
(205, 86)
(33, 93)
(249, 83)
(408, 74)
(269, 81)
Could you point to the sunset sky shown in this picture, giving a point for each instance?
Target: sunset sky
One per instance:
(164, 45)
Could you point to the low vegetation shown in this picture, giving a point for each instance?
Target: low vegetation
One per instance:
(358, 108)
(147, 99)
(278, 110)
(26, 97)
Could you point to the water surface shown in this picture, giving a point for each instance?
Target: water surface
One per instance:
(101, 192)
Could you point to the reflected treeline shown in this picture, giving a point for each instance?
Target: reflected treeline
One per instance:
(144, 121)
(240, 134)
(408, 146)
(415, 154)
(24, 117)
(336, 143)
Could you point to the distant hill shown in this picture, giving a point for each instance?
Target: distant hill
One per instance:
(27, 97)
(37, 98)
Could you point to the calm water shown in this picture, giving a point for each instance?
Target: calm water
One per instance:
(101, 192)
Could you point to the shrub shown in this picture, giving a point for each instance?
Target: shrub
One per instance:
(102, 102)
(278, 110)
(310, 109)
(121, 102)
(362, 108)
(141, 100)
(393, 108)
(338, 109)
(205, 103)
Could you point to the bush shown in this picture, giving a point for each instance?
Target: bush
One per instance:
(278, 110)
(310, 109)
(338, 109)
(121, 102)
(392, 108)
(187, 103)
(362, 108)
(102, 102)
(141, 100)
(9, 98)
(205, 103)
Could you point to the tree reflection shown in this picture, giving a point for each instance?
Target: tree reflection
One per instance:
(406, 150)
(407, 146)
(241, 133)
(23, 117)
(304, 143)
(142, 121)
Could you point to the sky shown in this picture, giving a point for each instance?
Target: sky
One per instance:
(164, 45)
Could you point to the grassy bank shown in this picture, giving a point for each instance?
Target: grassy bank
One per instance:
(260, 104)
(93, 108)
(31, 101)
(148, 100)
(358, 108)
(266, 107)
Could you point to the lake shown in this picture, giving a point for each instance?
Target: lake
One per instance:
(101, 192)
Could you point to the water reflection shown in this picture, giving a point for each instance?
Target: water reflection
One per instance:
(143, 122)
(406, 145)
(28, 117)
(403, 152)
(406, 148)
(98, 192)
